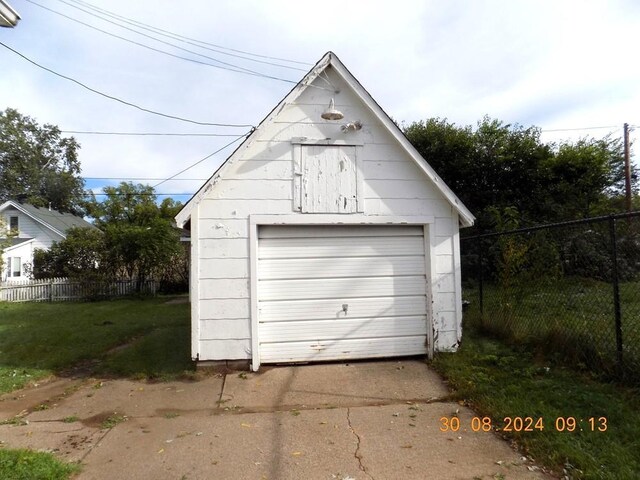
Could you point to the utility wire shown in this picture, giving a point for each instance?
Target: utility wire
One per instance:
(581, 128)
(89, 192)
(149, 134)
(145, 178)
(176, 36)
(153, 112)
(223, 65)
(203, 159)
(170, 35)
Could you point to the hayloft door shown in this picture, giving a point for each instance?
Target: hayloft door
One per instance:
(328, 179)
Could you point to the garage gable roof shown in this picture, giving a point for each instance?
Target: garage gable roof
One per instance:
(331, 60)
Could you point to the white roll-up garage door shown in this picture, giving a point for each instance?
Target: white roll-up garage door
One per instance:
(341, 292)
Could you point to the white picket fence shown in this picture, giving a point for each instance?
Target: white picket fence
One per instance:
(68, 290)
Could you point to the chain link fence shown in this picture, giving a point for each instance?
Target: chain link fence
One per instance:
(571, 290)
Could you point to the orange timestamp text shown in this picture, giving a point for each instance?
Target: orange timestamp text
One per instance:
(526, 424)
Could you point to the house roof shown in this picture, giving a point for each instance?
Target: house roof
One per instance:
(331, 60)
(56, 221)
(17, 242)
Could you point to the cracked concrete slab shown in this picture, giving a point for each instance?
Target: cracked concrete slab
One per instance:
(369, 420)
(72, 441)
(278, 446)
(410, 435)
(135, 399)
(324, 385)
(22, 401)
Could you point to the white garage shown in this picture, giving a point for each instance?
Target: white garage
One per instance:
(324, 236)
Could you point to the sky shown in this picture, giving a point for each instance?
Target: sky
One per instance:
(567, 67)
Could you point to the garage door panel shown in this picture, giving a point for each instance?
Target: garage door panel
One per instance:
(332, 308)
(341, 292)
(296, 331)
(340, 287)
(340, 247)
(340, 267)
(333, 231)
(314, 351)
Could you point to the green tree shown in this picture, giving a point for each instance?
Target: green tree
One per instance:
(499, 166)
(495, 165)
(38, 165)
(584, 178)
(80, 254)
(140, 239)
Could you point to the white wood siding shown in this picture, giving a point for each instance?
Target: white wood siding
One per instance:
(260, 181)
(29, 228)
(24, 252)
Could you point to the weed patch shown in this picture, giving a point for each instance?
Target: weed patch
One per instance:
(112, 421)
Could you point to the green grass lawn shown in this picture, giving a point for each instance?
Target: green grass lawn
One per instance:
(39, 339)
(501, 381)
(29, 465)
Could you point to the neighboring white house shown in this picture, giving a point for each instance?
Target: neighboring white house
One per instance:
(324, 236)
(37, 228)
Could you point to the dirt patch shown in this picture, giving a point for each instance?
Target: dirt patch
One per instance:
(40, 395)
(97, 421)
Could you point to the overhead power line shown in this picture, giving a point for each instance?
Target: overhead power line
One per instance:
(222, 65)
(146, 178)
(580, 128)
(89, 192)
(179, 37)
(203, 159)
(124, 102)
(164, 33)
(149, 134)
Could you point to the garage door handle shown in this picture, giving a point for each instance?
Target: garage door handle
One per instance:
(345, 307)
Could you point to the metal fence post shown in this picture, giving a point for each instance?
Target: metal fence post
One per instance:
(480, 277)
(616, 292)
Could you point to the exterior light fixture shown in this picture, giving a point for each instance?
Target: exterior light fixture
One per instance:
(331, 113)
(351, 126)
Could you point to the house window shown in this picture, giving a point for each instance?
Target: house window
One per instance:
(13, 224)
(15, 266)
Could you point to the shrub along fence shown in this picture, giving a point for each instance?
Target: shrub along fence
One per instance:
(66, 290)
(571, 289)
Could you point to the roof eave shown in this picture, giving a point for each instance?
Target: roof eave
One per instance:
(466, 217)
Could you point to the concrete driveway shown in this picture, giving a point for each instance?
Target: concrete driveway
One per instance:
(373, 420)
